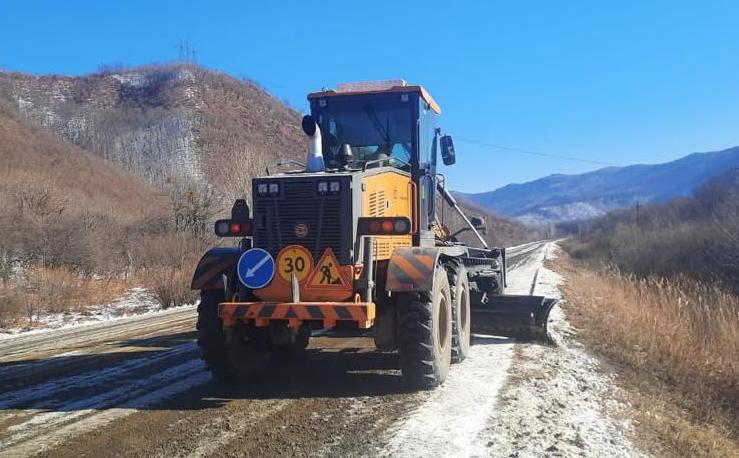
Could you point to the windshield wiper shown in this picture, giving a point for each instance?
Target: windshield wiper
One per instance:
(384, 132)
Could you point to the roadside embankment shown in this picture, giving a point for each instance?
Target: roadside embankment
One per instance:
(675, 347)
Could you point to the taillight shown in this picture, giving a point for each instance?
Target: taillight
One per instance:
(396, 225)
(230, 228)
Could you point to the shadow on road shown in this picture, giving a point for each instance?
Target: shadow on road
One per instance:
(138, 368)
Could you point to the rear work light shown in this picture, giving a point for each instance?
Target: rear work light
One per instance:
(396, 225)
(268, 189)
(231, 228)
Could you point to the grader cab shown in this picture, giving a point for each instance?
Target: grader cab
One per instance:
(352, 240)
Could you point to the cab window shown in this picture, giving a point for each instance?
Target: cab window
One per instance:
(373, 129)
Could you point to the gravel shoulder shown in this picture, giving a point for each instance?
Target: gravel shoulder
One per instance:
(559, 400)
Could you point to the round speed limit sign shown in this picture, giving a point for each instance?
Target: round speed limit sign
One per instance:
(294, 260)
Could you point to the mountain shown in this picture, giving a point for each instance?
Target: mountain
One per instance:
(164, 122)
(36, 165)
(174, 123)
(557, 198)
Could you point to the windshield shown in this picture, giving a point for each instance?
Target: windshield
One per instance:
(372, 130)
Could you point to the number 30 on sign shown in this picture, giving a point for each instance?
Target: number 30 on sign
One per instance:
(294, 260)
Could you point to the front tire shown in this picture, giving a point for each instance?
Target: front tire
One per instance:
(425, 326)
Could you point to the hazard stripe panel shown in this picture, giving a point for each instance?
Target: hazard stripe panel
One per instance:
(412, 269)
(328, 312)
(210, 267)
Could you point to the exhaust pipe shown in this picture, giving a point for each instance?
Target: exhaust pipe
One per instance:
(314, 162)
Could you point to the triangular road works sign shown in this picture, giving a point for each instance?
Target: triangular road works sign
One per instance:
(327, 273)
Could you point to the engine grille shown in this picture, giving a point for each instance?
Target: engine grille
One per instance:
(327, 217)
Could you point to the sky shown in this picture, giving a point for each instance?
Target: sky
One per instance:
(602, 83)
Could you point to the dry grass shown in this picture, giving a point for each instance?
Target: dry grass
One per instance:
(171, 286)
(676, 346)
(40, 291)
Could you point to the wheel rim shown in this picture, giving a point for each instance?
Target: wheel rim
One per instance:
(443, 317)
(464, 305)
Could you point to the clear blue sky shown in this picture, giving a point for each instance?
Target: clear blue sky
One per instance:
(611, 81)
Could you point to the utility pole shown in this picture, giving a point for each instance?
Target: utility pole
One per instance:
(638, 205)
(187, 52)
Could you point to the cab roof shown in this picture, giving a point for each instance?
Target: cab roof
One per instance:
(377, 87)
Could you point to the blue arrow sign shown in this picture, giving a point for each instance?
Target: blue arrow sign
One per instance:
(256, 268)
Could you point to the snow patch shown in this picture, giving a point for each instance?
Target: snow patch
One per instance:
(81, 415)
(455, 413)
(452, 417)
(525, 399)
(136, 301)
(130, 79)
(557, 213)
(557, 402)
(24, 105)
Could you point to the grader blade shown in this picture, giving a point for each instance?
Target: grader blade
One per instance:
(522, 317)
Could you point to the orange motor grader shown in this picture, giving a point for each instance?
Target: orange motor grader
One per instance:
(352, 240)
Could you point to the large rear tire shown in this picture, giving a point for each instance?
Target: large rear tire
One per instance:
(461, 316)
(211, 336)
(425, 325)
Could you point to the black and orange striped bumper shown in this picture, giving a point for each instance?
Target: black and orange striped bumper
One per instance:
(363, 313)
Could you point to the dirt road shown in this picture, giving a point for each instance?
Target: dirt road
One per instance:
(137, 387)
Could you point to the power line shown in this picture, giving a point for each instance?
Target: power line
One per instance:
(535, 153)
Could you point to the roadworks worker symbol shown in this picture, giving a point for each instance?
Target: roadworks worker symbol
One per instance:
(255, 268)
(327, 274)
(294, 260)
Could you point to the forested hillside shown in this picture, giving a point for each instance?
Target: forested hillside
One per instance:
(163, 123)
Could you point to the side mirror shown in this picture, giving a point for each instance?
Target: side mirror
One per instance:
(447, 150)
(479, 224)
(240, 210)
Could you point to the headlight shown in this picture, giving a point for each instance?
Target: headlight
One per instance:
(322, 187)
(262, 188)
(334, 186)
(274, 188)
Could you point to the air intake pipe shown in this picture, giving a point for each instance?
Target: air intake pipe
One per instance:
(314, 162)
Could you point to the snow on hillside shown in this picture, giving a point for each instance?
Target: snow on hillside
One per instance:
(557, 198)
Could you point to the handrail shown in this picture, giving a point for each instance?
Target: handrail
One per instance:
(414, 207)
(281, 162)
(385, 159)
(453, 203)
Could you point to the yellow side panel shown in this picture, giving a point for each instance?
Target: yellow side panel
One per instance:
(387, 194)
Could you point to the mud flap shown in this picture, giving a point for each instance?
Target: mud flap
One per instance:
(522, 317)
